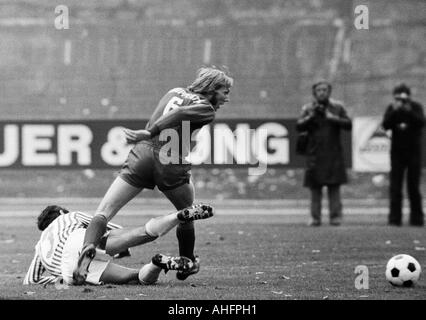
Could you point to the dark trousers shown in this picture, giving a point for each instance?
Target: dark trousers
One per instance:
(401, 162)
(334, 202)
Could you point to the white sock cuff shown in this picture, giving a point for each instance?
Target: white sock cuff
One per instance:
(150, 228)
(158, 227)
(149, 274)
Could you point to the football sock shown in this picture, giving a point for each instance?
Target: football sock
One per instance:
(149, 273)
(185, 233)
(96, 229)
(158, 227)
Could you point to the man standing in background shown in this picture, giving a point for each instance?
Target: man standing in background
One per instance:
(405, 118)
(322, 120)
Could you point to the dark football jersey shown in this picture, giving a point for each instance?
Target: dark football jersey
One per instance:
(183, 111)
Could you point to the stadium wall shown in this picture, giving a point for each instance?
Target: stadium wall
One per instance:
(117, 60)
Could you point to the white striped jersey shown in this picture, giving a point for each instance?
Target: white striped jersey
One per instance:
(48, 250)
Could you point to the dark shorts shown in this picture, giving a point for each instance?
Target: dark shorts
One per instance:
(143, 169)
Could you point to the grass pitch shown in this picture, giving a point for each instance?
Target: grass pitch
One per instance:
(264, 257)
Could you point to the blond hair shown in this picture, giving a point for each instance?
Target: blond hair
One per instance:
(210, 79)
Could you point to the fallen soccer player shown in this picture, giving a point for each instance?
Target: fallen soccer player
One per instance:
(61, 242)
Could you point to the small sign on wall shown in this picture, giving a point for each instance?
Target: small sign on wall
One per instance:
(370, 145)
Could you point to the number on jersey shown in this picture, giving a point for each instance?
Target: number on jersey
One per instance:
(174, 102)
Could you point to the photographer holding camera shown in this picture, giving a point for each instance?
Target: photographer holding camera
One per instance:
(322, 120)
(405, 118)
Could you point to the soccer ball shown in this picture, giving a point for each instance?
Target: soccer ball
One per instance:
(403, 270)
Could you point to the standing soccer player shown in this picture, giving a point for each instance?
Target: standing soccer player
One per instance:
(148, 164)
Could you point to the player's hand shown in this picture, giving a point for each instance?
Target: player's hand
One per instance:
(134, 136)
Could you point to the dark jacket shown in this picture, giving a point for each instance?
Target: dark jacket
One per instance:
(406, 126)
(324, 155)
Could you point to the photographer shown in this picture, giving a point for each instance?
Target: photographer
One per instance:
(405, 118)
(322, 120)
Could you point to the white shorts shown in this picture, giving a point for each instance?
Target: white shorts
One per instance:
(70, 254)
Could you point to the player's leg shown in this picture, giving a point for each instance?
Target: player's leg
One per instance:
(102, 270)
(148, 274)
(185, 232)
(118, 240)
(182, 197)
(117, 274)
(119, 193)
